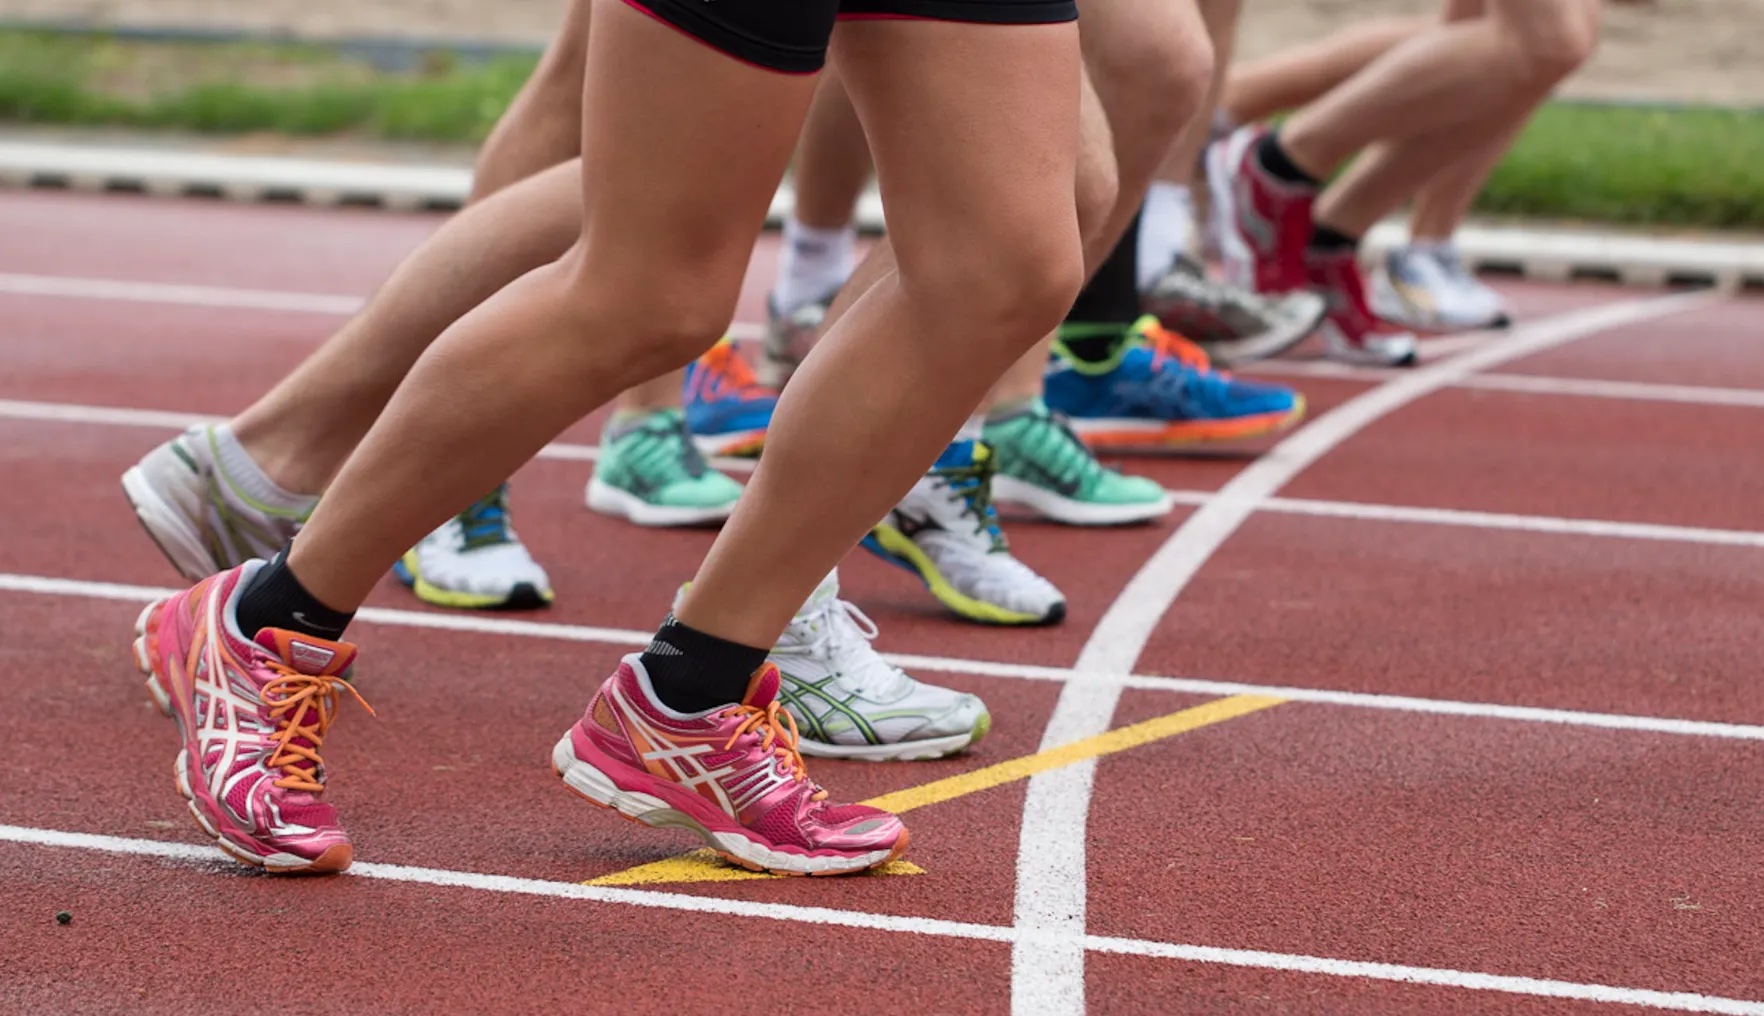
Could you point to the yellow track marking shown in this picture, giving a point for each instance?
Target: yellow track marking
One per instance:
(706, 866)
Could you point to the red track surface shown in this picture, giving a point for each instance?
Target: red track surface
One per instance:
(1461, 843)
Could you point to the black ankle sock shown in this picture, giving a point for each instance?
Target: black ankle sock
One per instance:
(1092, 343)
(692, 671)
(276, 599)
(1112, 294)
(1279, 165)
(1325, 240)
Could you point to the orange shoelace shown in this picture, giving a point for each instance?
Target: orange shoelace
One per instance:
(1168, 344)
(779, 734)
(303, 706)
(727, 363)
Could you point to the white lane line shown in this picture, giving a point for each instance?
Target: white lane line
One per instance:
(159, 419)
(1532, 384)
(188, 296)
(1643, 391)
(39, 585)
(1047, 977)
(343, 305)
(333, 304)
(58, 412)
(862, 920)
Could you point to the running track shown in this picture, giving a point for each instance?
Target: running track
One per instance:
(1449, 703)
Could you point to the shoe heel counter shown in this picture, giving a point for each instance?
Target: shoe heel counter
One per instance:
(603, 729)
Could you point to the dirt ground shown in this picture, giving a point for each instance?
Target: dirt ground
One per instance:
(1683, 50)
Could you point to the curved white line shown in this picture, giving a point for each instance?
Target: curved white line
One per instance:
(1047, 971)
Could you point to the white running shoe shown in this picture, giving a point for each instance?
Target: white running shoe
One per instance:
(1429, 288)
(849, 702)
(946, 532)
(476, 562)
(788, 339)
(202, 519)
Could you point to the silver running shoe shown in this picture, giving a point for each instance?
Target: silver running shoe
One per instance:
(1233, 325)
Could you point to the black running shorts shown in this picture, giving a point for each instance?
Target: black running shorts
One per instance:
(791, 35)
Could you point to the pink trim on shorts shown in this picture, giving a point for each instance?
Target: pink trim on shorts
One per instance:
(637, 5)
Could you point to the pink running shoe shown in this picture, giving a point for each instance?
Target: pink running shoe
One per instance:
(1263, 223)
(253, 715)
(731, 775)
(1352, 332)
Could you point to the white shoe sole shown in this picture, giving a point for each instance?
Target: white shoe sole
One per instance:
(599, 788)
(735, 444)
(1396, 354)
(905, 751)
(179, 541)
(610, 500)
(1072, 512)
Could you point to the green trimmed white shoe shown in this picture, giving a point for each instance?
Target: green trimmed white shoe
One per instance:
(946, 532)
(1043, 466)
(204, 520)
(849, 702)
(651, 473)
(476, 562)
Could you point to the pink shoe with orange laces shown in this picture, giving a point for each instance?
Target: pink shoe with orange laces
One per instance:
(252, 714)
(732, 775)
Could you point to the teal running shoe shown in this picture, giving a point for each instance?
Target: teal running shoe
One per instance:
(1043, 466)
(651, 473)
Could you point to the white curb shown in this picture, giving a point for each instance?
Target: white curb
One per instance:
(1537, 252)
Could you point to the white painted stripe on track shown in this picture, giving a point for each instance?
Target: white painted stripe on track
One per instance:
(480, 624)
(342, 305)
(61, 412)
(865, 921)
(1641, 391)
(56, 412)
(180, 295)
(1047, 975)
(333, 304)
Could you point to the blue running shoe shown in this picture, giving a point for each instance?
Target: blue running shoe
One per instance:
(1160, 391)
(727, 409)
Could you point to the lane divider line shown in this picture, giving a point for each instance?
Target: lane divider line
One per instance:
(37, 585)
(828, 917)
(1052, 876)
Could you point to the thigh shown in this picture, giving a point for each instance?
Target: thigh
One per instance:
(974, 129)
(683, 146)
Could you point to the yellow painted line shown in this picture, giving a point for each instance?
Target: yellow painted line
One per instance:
(1217, 711)
(706, 866)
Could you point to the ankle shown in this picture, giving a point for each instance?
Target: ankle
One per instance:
(693, 671)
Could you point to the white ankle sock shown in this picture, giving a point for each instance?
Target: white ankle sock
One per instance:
(243, 472)
(1166, 226)
(814, 264)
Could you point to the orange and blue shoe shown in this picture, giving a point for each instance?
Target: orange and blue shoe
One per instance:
(727, 409)
(732, 775)
(252, 715)
(1158, 390)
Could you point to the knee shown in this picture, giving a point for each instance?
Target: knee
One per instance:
(666, 317)
(1005, 290)
(1152, 86)
(1097, 190)
(1555, 41)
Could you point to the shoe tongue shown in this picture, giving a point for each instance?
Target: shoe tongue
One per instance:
(825, 593)
(306, 653)
(763, 688)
